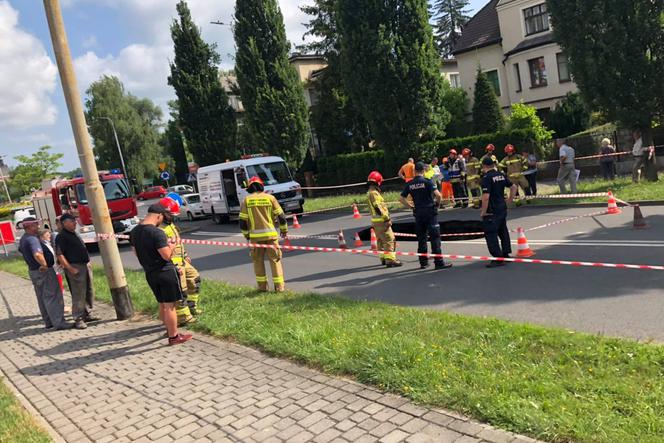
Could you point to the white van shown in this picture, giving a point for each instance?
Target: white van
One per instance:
(222, 186)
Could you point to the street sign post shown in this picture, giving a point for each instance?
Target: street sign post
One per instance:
(165, 176)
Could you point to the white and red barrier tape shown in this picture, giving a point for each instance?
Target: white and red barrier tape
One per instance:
(413, 254)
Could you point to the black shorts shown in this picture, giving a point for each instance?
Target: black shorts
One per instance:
(165, 285)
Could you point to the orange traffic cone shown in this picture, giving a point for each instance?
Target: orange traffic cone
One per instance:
(639, 220)
(342, 240)
(522, 248)
(374, 240)
(358, 242)
(296, 224)
(613, 205)
(356, 212)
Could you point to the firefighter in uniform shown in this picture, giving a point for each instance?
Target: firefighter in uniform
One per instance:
(425, 202)
(513, 165)
(190, 280)
(473, 170)
(381, 221)
(258, 214)
(458, 178)
(489, 153)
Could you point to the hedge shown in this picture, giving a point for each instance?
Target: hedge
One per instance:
(349, 168)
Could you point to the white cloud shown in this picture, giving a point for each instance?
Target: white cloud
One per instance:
(27, 76)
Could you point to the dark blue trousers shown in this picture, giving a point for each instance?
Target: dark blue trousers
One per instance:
(495, 228)
(426, 224)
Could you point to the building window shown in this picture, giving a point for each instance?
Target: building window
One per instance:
(536, 18)
(494, 80)
(537, 72)
(517, 76)
(455, 80)
(563, 68)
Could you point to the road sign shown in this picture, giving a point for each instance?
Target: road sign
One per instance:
(165, 175)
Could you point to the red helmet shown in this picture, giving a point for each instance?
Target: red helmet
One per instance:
(509, 149)
(170, 205)
(490, 148)
(453, 152)
(466, 152)
(375, 177)
(255, 181)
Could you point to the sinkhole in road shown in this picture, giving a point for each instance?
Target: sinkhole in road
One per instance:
(447, 228)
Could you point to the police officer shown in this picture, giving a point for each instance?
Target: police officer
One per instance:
(258, 214)
(426, 200)
(494, 211)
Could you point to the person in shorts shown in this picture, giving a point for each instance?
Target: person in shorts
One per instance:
(154, 253)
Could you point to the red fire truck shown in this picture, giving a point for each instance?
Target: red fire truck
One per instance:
(68, 196)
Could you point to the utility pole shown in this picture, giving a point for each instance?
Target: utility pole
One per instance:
(101, 216)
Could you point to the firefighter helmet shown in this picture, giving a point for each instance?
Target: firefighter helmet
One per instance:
(509, 149)
(170, 205)
(375, 177)
(466, 152)
(256, 182)
(490, 147)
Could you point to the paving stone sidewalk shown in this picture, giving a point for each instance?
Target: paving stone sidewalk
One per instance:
(118, 382)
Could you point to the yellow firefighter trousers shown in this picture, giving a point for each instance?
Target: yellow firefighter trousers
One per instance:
(386, 241)
(474, 192)
(274, 256)
(182, 308)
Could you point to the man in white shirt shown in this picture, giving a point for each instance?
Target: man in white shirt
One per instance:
(641, 156)
(567, 171)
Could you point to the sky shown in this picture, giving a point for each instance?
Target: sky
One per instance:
(126, 38)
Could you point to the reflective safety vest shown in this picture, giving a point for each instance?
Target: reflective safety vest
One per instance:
(260, 210)
(473, 169)
(378, 207)
(429, 173)
(457, 168)
(513, 165)
(179, 253)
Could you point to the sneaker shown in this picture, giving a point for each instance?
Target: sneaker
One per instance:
(495, 264)
(443, 266)
(394, 264)
(91, 318)
(179, 339)
(80, 324)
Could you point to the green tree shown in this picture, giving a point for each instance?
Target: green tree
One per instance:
(571, 115)
(449, 17)
(272, 94)
(456, 102)
(336, 120)
(206, 117)
(136, 121)
(173, 142)
(34, 168)
(525, 117)
(616, 54)
(391, 70)
(487, 116)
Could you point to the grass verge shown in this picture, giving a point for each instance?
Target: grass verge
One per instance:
(16, 425)
(622, 187)
(551, 384)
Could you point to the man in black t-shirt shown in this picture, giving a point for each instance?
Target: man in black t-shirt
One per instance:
(154, 254)
(426, 200)
(494, 211)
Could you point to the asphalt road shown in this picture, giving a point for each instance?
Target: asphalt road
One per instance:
(612, 302)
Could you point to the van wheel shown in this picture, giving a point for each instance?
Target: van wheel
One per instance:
(190, 216)
(216, 218)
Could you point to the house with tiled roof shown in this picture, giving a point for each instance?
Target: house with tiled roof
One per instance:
(512, 42)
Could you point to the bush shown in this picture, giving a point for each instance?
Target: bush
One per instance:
(571, 115)
(525, 117)
(350, 168)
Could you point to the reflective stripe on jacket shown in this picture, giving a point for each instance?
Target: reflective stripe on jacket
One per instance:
(260, 210)
(179, 253)
(513, 165)
(378, 207)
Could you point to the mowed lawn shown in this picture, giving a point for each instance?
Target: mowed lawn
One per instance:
(16, 425)
(553, 384)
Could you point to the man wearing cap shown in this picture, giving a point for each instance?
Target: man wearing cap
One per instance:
(494, 211)
(258, 214)
(40, 263)
(74, 258)
(426, 200)
(154, 253)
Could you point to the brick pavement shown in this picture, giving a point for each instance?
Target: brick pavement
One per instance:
(118, 382)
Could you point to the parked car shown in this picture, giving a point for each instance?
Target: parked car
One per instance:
(181, 189)
(192, 207)
(152, 192)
